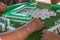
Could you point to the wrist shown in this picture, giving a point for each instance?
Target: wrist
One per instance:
(23, 33)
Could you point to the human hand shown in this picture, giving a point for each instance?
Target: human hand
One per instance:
(55, 1)
(39, 24)
(3, 7)
(49, 36)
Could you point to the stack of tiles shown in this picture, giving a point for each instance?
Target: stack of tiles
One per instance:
(40, 13)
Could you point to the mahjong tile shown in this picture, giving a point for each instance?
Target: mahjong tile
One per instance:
(47, 16)
(30, 10)
(50, 14)
(7, 21)
(54, 14)
(51, 30)
(43, 17)
(35, 16)
(59, 28)
(10, 28)
(56, 31)
(2, 26)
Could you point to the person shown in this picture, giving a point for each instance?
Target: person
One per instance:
(5, 3)
(50, 35)
(22, 33)
(55, 1)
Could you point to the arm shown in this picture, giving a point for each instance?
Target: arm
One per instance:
(23, 33)
(55, 1)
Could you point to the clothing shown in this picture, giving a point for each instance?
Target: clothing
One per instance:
(8, 2)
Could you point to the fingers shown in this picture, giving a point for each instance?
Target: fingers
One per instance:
(42, 24)
(45, 34)
(44, 31)
(2, 10)
(48, 35)
(39, 24)
(3, 7)
(3, 4)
